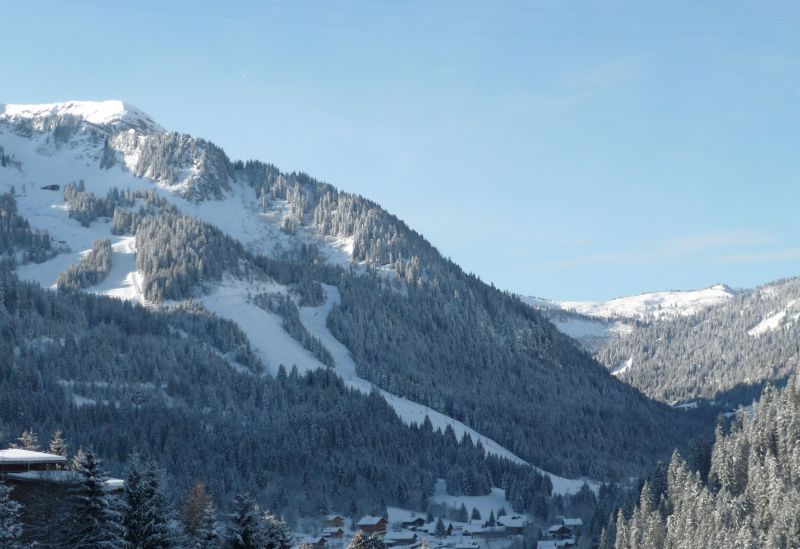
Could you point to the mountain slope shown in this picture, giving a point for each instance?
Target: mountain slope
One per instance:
(747, 340)
(416, 325)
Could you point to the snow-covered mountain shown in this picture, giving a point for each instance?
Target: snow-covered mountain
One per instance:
(646, 307)
(315, 278)
(594, 323)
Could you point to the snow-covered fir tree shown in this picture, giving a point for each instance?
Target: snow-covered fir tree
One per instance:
(245, 530)
(95, 522)
(752, 497)
(276, 534)
(10, 526)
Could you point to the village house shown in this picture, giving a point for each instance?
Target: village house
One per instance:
(414, 523)
(400, 537)
(514, 524)
(372, 525)
(332, 533)
(334, 521)
(316, 542)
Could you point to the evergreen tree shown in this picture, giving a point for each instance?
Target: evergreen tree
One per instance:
(199, 516)
(156, 532)
(245, 530)
(29, 441)
(135, 505)
(440, 528)
(95, 522)
(476, 515)
(463, 516)
(145, 520)
(491, 521)
(58, 445)
(277, 534)
(10, 526)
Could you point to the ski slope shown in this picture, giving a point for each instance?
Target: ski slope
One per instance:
(315, 320)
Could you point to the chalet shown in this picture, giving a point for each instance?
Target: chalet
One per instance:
(413, 524)
(400, 537)
(317, 542)
(334, 521)
(513, 524)
(332, 532)
(573, 523)
(372, 525)
(16, 460)
(559, 531)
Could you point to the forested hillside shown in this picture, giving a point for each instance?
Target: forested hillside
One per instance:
(750, 339)
(181, 385)
(751, 498)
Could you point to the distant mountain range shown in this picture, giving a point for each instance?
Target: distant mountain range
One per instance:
(714, 343)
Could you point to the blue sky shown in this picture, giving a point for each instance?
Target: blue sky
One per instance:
(561, 149)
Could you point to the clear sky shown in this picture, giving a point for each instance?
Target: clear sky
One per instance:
(562, 149)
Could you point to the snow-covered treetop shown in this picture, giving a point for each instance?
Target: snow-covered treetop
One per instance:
(114, 113)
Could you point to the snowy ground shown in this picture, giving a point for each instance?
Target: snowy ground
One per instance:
(783, 318)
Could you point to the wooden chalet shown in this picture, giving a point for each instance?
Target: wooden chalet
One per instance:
(372, 525)
(317, 542)
(413, 524)
(334, 521)
(400, 537)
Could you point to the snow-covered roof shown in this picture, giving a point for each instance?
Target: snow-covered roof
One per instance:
(333, 516)
(512, 522)
(62, 476)
(573, 522)
(369, 520)
(399, 535)
(556, 528)
(18, 455)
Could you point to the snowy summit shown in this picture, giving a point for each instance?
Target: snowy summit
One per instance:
(113, 113)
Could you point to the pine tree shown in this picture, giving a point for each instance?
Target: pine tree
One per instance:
(440, 529)
(476, 515)
(95, 523)
(199, 515)
(463, 516)
(10, 527)
(156, 532)
(58, 445)
(277, 534)
(29, 441)
(134, 514)
(144, 517)
(491, 521)
(245, 530)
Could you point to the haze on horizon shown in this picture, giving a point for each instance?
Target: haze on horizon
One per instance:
(579, 151)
